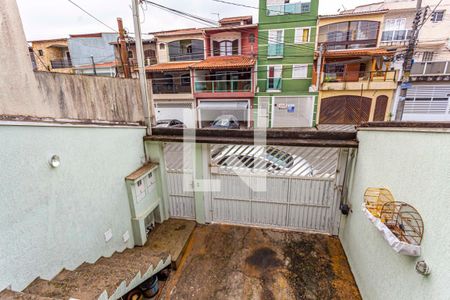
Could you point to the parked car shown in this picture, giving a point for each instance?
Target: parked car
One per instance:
(170, 124)
(226, 122)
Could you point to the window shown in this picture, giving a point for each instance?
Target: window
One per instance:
(349, 35)
(395, 30)
(186, 50)
(287, 7)
(251, 38)
(299, 71)
(274, 77)
(225, 48)
(302, 35)
(437, 16)
(427, 56)
(130, 54)
(41, 52)
(276, 43)
(162, 46)
(186, 79)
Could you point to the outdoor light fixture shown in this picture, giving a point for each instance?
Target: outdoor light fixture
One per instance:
(55, 161)
(423, 268)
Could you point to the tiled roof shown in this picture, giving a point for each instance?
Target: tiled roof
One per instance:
(351, 14)
(173, 66)
(225, 62)
(236, 19)
(177, 32)
(357, 52)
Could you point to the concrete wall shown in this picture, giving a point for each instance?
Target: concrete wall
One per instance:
(94, 98)
(415, 166)
(56, 218)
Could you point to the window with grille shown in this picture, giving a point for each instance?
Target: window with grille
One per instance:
(427, 56)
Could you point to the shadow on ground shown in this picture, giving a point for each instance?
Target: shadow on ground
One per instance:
(230, 262)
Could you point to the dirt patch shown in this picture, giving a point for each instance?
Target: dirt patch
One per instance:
(263, 259)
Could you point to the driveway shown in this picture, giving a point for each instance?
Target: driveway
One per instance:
(230, 262)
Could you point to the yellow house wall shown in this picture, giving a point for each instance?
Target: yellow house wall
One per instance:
(163, 55)
(374, 17)
(43, 63)
(372, 94)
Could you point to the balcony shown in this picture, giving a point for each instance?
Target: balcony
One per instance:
(275, 50)
(223, 86)
(170, 88)
(61, 63)
(187, 57)
(289, 8)
(360, 80)
(437, 70)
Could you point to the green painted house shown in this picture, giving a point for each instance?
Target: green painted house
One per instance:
(286, 40)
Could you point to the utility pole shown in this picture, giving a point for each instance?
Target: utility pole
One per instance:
(93, 65)
(408, 61)
(123, 50)
(146, 101)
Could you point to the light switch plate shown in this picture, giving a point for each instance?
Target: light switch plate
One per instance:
(126, 236)
(108, 235)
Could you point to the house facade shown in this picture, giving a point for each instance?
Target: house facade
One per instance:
(224, 83)
(171, 78)
(428, 97)
(93, 54)
(356, 83)
(287, 31)
(149, 56)
(51, 55)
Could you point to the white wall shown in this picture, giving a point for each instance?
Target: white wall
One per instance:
(415, 166)
(56, 218)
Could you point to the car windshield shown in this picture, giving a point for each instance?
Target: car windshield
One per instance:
(222, 122)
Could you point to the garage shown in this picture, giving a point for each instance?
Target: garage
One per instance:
(209, 110)
(345, 110)
(292, 111)
(183, 111)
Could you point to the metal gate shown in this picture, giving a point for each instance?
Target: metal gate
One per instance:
(302, 192)
(181, 200)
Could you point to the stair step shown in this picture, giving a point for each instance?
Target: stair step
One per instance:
(12, 295)
(49, 289)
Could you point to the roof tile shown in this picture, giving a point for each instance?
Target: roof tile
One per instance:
(225, 62)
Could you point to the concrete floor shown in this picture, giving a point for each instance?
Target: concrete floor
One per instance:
(230, 262)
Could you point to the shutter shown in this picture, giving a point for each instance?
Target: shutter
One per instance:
(235, 47)
(216, 48)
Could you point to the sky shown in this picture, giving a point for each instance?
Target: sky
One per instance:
(44, 19)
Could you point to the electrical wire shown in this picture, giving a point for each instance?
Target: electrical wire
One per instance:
(92, 16)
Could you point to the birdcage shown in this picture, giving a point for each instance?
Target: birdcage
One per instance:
(404, 221)
(375, 198)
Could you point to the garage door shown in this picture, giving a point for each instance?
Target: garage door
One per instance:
(180, 111)
(299, 191)
(292, 112)
(345, 110)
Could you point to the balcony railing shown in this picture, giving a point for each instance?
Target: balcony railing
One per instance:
(275, 50)
(274, 83)
(61, 63)
(223, 86)
(378, 76)
(187, 57)
(432, 68)
(289, 8)
(164, 88)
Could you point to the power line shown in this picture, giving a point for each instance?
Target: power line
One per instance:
(91, 15)
(434, 10)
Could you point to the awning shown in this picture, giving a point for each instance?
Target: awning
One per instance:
(175, 66)
(232, 105)
(225, 62)
(356, 52)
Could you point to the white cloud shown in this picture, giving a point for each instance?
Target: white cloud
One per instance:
(58, 18)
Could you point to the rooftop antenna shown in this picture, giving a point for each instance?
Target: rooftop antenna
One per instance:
(218, 16)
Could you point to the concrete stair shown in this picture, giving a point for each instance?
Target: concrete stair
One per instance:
(111, 278)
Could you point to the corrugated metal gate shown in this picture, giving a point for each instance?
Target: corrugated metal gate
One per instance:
(181, 200)
(301, 189)
(301, 186)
